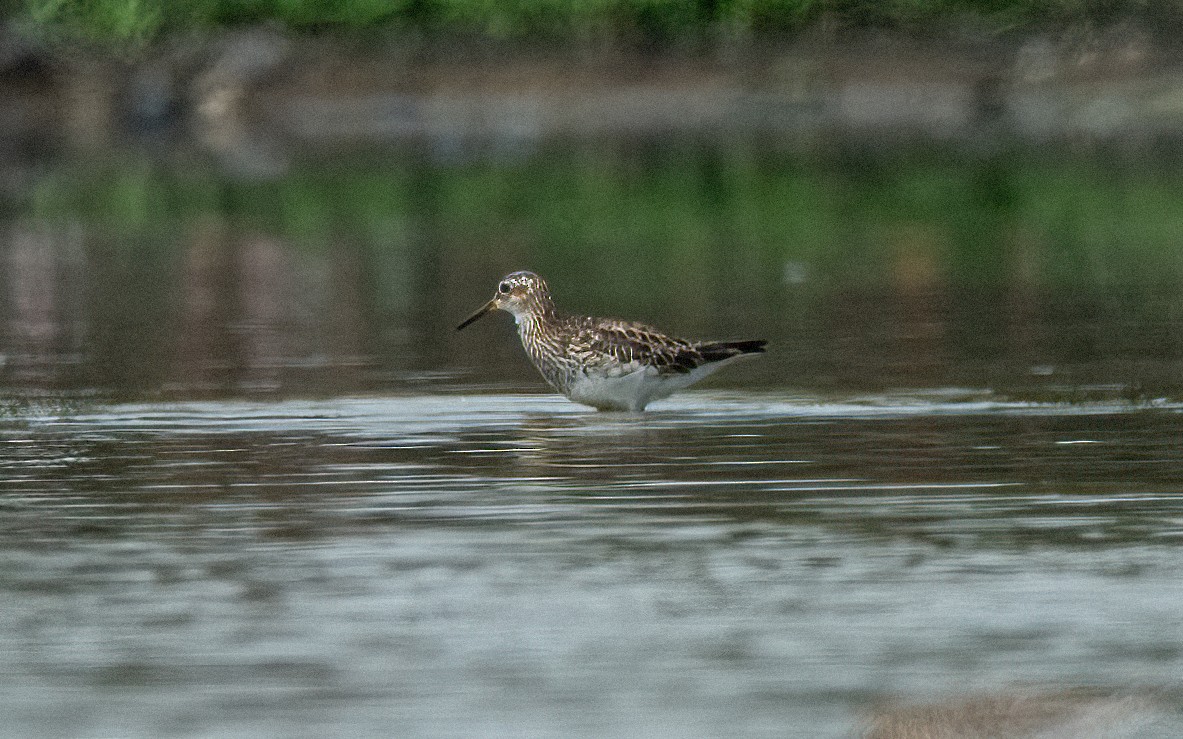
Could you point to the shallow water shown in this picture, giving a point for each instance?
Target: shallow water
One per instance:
(502, 564)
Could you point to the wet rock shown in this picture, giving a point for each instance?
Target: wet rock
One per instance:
(1046, 715)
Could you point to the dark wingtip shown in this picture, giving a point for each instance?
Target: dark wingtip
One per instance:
(753, 346)
(720, 350)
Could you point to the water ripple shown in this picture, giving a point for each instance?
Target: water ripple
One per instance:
(384, 561)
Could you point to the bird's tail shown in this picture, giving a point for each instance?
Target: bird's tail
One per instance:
(719, 350)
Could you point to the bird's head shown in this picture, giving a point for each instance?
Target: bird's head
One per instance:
(523, 294)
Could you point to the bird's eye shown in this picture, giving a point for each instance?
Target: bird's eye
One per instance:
(504, 288)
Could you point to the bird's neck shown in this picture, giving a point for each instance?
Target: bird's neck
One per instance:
(541, 333)
(540, 314)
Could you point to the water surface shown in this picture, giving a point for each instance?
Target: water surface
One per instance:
(500, 564)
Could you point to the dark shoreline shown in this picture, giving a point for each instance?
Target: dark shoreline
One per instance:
(258, 87)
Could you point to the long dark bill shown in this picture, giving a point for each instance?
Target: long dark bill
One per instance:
(480, 312)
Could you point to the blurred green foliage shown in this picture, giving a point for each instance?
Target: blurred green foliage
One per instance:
(132, 22)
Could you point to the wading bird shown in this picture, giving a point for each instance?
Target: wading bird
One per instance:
(603, 362)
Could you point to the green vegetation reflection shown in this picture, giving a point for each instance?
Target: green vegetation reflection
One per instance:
(913, 216)
(913, 267)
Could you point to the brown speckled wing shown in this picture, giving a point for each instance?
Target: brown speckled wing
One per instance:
(631, 346)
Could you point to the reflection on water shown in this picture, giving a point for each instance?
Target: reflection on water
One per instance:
(498, 564)
(1045, 278)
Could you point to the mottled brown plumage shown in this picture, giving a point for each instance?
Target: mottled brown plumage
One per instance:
(602, 362)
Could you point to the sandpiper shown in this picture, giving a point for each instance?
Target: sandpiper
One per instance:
(603, 362)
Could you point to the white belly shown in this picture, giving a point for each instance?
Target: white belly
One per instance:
(635, 390)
